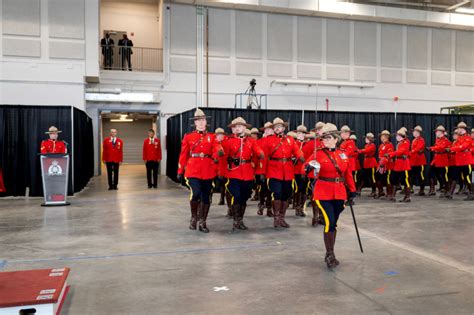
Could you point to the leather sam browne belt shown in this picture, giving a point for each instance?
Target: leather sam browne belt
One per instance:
(332, 179)
(200, 155)
(403, 157)
(284, 160)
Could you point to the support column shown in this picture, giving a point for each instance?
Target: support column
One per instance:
(200, 20)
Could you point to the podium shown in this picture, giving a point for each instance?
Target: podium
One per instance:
(55, 175)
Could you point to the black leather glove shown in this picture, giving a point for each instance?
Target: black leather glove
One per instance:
(220, 153)
(180, 178)
(302, 159)
(262, 177)
(352, 195)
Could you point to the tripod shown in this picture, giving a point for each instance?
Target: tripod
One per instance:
(252, 101)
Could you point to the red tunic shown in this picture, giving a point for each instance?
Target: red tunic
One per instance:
(417, 153)
(260, 165)
(111, 152)
(222, 164)
(2, 186)
(462, 146)
(369, 155)
(385, 148)
(297, 164)
(350, 148)
(326, 190)
(441, 155)
(242, 149)
(199, 151)
(402, 163)
(151, 149)
(279, 152)
(53, 146)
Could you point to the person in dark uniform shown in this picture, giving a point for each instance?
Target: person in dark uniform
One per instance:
(125, 50)
(199, 155)
(107, 45)
(152, 158)
(239, 151)
(112, 156)
(331, 189)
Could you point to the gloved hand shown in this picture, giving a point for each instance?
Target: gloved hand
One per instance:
(448, 150)
(220, 153)
(352, 195)
(262, 156)
(302, 159)
(262, 177)
(180, 178)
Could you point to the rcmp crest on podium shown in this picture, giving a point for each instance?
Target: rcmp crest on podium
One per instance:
(55, 175)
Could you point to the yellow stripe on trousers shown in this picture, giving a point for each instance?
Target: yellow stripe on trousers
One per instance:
(294, 186)
(190, 188)
(446, 174)
(326, 219)
(355, 177)
(422, 171)
(469, 175)
(388, 177)
(406, 179)
(227, 189)
(373, 175)
(268, 185)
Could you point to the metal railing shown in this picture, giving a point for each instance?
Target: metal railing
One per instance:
(131, 58)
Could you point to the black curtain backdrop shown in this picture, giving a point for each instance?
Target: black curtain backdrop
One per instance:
(22, 128)
(360, 122)
(83, 153)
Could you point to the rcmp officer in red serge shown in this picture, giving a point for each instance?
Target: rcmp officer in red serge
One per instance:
(152, 158)
(199, 154)
(53, 145)
(463, 170)
(370, 163)
(333, 187)
(309, 149)
(221, 167)
(239, 152)
(418, 160)
(401, 166)
(349, 147)
(440, 163)
(279, 150)
(385, 167)
(265, 199)
(112, 156)
(300, 177)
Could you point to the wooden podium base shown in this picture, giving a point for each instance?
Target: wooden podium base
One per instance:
(39, 292)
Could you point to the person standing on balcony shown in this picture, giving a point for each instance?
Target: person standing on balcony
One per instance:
(107, 45)
(125, 50)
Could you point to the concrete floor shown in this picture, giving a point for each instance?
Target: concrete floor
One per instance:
(131, 252)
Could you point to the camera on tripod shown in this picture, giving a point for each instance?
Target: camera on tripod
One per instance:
(253, 83)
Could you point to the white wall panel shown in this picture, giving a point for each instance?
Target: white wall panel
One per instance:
(464, 79)
(418, 77)
(183, 30)
(65, 50)
(249, 67)
(365, 74)
(219, 33)
(248, 37)
(441, 49)
(66, 18)
(309, 39)
(279, 37)
(337, 73)
(218, 66)
(365, 43)
(441, 78)
(464, 51)
(309, 71)
(183, 64)
(338, 40)
(21, 17)
(391, 49)
(417, 47)
(279, 69)
(21, 47)
(391, 76)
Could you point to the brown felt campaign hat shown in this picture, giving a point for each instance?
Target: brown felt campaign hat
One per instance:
(238, 121)
(53, 129)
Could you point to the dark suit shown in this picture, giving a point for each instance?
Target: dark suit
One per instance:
(126, 52)
(107, 45)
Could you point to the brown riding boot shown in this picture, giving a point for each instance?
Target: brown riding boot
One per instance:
(284, 207)
(450, 191)
(470, 195)
(432, 191)
(391, 195)
(372, 194)
(236, 212)
(242, 226)
(330, 258)
(294, 202)
(277, 204)
(421, 192)
(380, 192)
(194, 214)
(204, 211)
(228, 199)
(407, 195)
